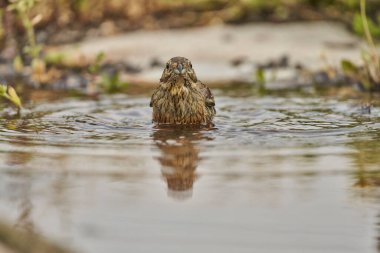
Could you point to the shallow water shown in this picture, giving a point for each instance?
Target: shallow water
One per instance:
(277, 174)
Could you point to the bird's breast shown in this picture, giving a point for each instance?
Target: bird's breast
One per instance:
(179, 90)
(180, 105)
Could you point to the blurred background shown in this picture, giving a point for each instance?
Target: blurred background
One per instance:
(40, 38)
(81, 19)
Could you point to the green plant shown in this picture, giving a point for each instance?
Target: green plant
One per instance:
(32, 48)
(54, 58)
(95, 66)
(369, 74)
(9, 93)
(22, 8)
(111, 83)
(359, 28)
(260, 80)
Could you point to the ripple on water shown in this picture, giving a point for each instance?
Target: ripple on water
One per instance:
(125, 120)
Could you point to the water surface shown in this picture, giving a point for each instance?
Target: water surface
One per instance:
(277, 174)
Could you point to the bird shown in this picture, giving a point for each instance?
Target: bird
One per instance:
(180, 98)
(179, 157)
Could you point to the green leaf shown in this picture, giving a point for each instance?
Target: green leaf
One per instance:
(54, 58)
(366, 84)
(349, 67)
(9, 93)
(112, 83)
(94, 67)
(260, 80)
(13, 97)
(3, 89)
(260, 76)
(357, 25)
(18, 64)
(100, 57)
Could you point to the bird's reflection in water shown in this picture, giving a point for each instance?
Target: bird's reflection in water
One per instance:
(179, 158)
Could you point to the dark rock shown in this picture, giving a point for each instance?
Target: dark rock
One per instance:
(299, 66)
(238, 61)
(282, 62)
(321, 78)
(131, 68)
(71, 81)
(365, 108)
(155, 62)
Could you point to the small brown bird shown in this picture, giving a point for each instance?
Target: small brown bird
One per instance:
(181, 98)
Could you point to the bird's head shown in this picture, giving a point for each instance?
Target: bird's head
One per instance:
(178, 68)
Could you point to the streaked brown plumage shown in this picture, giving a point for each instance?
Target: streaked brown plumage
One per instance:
(180, 97)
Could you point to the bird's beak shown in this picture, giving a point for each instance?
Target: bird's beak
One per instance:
(179, 69)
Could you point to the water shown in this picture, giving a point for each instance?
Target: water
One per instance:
(277, 174)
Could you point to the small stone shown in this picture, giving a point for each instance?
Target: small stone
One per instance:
(366, 108)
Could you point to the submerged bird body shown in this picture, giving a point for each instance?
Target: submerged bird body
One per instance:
(180, 98)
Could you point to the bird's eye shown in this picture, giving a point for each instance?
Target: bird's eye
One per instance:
(167, 66)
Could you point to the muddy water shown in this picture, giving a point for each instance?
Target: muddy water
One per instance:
(277, 174)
